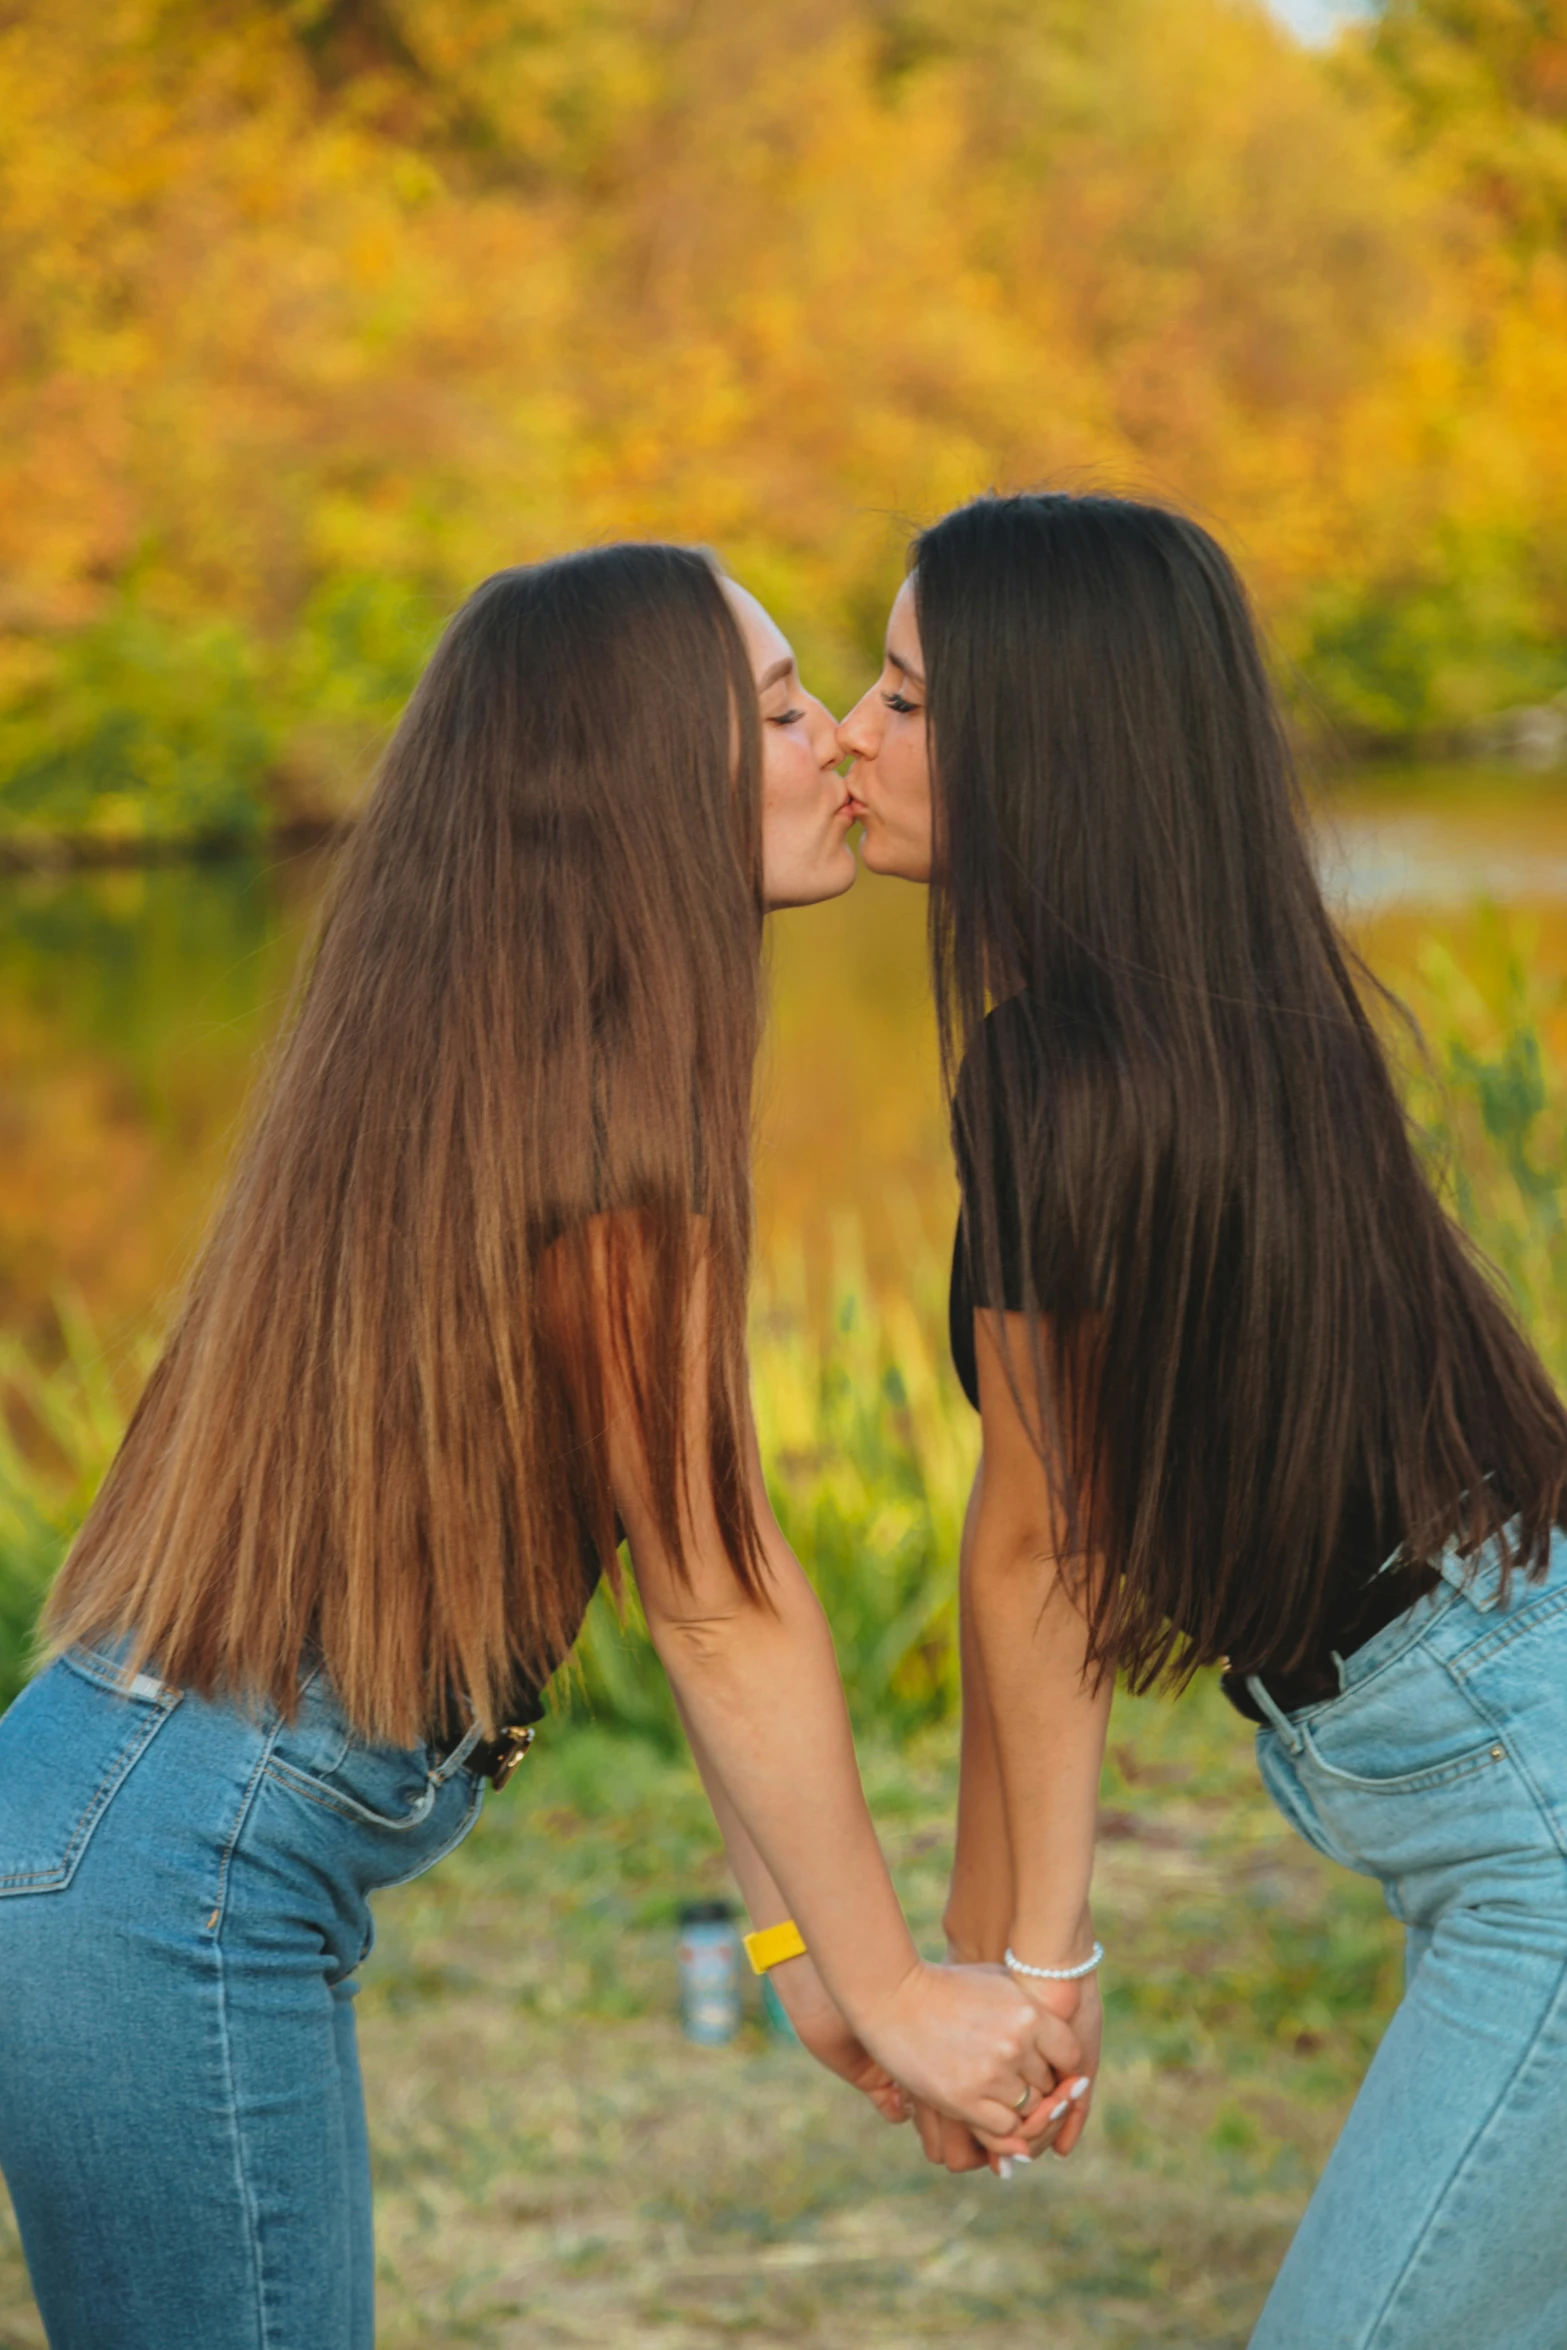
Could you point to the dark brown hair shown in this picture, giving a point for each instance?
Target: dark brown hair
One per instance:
(533, 996)
(1264, 1310)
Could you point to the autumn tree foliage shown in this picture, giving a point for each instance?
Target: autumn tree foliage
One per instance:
(313, 311)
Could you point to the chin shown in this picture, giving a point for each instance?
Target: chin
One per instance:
(896, 868)
(832, 877)
(843, 873)
(828, 879)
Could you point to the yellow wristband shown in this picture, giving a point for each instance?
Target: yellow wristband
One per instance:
(771, 1945)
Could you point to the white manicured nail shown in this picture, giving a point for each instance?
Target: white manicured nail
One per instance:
(1056, 2111)
(1004, 2167)
(1079, 2089)
(1025, 2159)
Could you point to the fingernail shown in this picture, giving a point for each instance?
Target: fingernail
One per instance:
(1004, 2164)
(1079, 2089)
(1056, 2111)
(1025, 2159)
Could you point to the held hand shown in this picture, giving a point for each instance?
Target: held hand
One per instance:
(824, 2035)
(1059, 2118)
(1079, 2006)
(953, 2144)
(965, 2041)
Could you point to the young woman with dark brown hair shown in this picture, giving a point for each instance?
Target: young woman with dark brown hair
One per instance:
(1248, 1397)
(473, 1303)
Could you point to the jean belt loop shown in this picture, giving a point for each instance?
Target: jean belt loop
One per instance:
(1474, 1578)
(1277, 1717)
(450, 1764)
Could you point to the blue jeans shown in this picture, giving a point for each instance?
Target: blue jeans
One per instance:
(1440, 2222)
(183, 1902)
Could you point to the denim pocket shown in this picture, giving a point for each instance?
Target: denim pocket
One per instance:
(1415, 1783)
(1276, 1767)
(1515, 1676)
(380, 1786)
(1425, 1781)
(67, 1746)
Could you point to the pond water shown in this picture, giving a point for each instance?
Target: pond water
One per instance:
(133, 1006)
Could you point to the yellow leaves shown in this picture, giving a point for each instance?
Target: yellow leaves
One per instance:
(523, 272)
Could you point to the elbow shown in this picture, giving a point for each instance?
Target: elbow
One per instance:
(744, 1640)
(688, 1645)
(1009, 1548)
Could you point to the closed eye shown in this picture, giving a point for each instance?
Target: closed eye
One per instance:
(900, 703)
(786, 718)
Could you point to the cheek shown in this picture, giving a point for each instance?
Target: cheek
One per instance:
(791, 782)
(905, 774)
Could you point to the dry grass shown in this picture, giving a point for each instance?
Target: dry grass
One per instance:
(556, 2166)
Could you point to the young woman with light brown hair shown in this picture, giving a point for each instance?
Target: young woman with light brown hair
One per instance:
(474, 1303)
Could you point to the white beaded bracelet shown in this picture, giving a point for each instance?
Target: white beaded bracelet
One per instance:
(1055, 1974)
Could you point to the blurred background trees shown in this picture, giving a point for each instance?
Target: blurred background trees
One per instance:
(314, 311)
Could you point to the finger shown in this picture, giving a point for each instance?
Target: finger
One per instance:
(1057, 2111)
(1019, 2066)
(884, 2092)
(1073, 2127)
(1057, 2044)
(1039, 2077)
(961, 2150)
(1052, 2121)
(998, 2127)
(931, 2126)
(1035, 2087)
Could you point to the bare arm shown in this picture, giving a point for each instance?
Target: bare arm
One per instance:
(758, 1686)
(798, 1984)
(979, 1908)
(1047, 1721)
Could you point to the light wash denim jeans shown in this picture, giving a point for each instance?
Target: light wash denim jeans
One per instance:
(183, 1902)
(1440, 2222)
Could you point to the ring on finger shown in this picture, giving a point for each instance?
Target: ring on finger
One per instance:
(1021, 2104)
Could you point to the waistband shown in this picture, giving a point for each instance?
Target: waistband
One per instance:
(1479, 1579)
(459, 1742)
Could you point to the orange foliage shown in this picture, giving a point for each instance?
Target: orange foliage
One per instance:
(399, 290)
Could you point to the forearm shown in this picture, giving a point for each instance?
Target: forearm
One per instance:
(980, 1904)
(795, 1979)
(1049, 1726)
(759, 1690)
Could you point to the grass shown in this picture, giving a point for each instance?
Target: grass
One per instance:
(556, 2166)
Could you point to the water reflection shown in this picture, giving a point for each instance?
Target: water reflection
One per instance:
(1445, 846)
(133, 1006)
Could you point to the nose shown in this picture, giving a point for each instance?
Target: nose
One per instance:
(859, 737)
(822, 731)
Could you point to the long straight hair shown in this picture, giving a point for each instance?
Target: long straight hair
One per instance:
(1259, 1316)
(376, 1431)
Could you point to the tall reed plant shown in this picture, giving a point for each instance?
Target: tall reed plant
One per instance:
(60, 1422)
(869, 1444)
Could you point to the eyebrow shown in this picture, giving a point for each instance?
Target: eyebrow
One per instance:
(779, 670)
(904, 668)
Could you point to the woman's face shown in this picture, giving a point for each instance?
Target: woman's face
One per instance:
(889, 783)
(805, 809)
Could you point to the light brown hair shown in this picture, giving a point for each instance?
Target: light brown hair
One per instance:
(533, 995)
